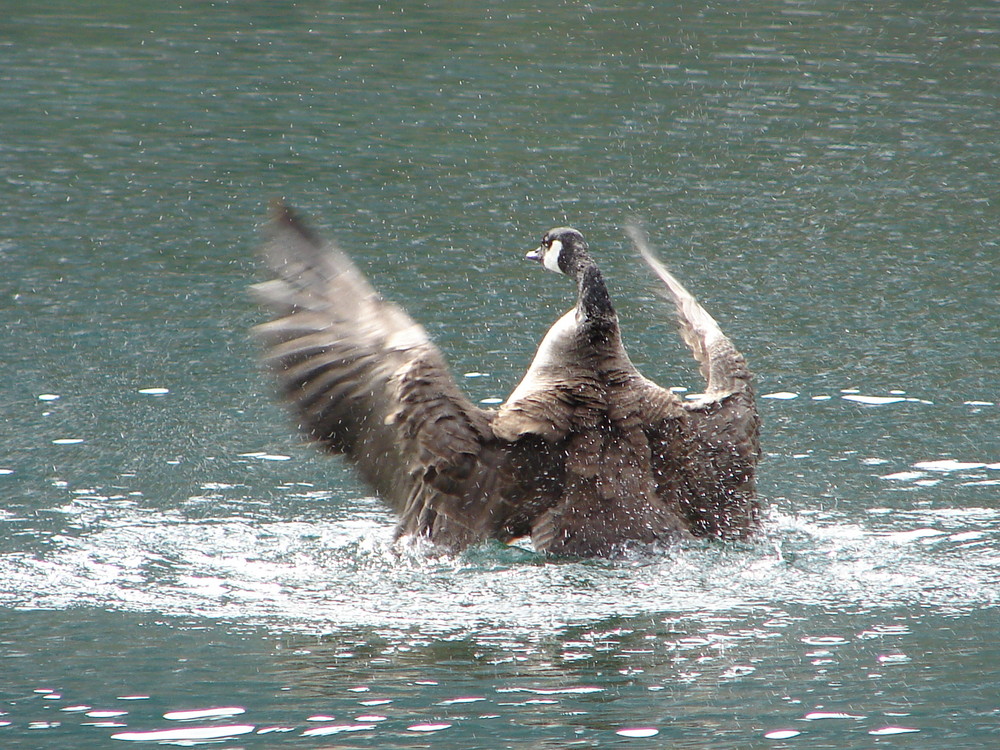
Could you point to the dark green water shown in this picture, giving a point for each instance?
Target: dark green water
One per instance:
(822, 175)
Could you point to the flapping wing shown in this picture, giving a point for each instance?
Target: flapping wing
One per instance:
(708, 458)
(364, 379)
(723, 367)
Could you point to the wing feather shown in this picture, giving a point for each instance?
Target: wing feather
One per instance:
(706, 456)
(723, 367)
(364, 379)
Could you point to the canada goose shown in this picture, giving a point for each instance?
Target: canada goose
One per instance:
(585, 456)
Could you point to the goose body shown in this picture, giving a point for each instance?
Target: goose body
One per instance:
(585, 456)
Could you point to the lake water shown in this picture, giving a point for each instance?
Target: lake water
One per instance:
(175, 567)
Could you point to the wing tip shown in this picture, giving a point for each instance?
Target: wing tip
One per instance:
(281, 217)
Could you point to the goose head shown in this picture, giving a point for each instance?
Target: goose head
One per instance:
(562, 250)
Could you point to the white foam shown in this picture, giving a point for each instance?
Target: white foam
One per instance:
(966, 536)
(154, 391)
(781, 395)
(911, 536)
(904, 476)
(948, 464)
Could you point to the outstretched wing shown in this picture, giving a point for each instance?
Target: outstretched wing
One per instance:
(364, 379)
(708, 458)
(723, 367)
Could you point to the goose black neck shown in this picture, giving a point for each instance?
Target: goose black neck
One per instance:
(593, 301)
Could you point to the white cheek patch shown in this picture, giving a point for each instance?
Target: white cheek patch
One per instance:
(551, 259)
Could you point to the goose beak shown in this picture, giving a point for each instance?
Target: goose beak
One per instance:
(537, 254)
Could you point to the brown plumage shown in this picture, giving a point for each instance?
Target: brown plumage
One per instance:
(585, 456)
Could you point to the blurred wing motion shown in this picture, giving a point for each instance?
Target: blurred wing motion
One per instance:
(365, 380)
(717, 446)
